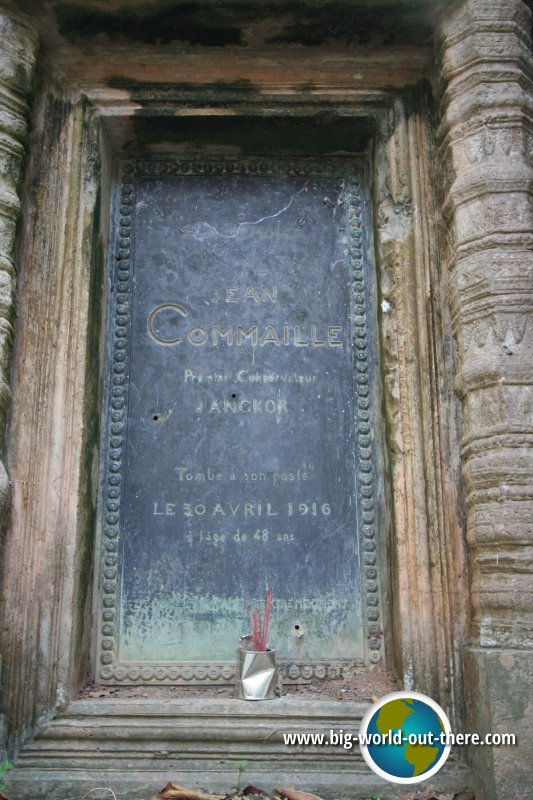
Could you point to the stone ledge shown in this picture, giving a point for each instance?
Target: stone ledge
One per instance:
(133, 785)
(137, 746)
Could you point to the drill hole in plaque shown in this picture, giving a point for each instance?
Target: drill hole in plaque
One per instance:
(298, 631)
(159, 416)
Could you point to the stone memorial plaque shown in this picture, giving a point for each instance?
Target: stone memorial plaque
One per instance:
(239, 440)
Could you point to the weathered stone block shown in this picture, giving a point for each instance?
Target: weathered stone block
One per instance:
(498, 687)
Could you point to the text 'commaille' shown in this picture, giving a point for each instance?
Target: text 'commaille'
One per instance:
(240, 335)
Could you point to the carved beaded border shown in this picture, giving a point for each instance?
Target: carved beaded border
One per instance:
(209, 672)
(116, 431)
(291, 672)
(366, 478)
(302, 167)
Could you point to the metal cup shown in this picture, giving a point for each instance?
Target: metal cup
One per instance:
(256, 674)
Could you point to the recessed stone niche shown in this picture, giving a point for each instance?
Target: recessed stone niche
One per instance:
(395, 288)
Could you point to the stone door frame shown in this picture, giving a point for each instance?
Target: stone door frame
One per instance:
(63, 302)
(53, 431)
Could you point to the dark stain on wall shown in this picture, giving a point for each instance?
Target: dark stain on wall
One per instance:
(212, 23)
(216, 92)
(255, 135)
(206, 23)
(401, 23)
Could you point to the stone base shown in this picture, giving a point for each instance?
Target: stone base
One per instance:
(136, 746)
(499, 694)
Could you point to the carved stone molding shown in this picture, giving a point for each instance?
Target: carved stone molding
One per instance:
(486, 66)
(103, 743)
(18, 47)
(486, 132)
(48, 552)
(429, 570)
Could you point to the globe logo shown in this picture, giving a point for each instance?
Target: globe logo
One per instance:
(404, 737)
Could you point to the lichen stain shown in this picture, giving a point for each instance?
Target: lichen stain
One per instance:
(507, 661)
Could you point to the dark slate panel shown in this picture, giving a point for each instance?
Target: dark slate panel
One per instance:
(238, 457)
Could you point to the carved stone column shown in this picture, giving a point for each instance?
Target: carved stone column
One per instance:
(487, 140)
(18, 46)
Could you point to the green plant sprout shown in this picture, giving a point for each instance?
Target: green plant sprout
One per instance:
(4, 766)
(241, 766)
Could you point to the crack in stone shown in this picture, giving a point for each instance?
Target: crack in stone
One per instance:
(201, 229)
